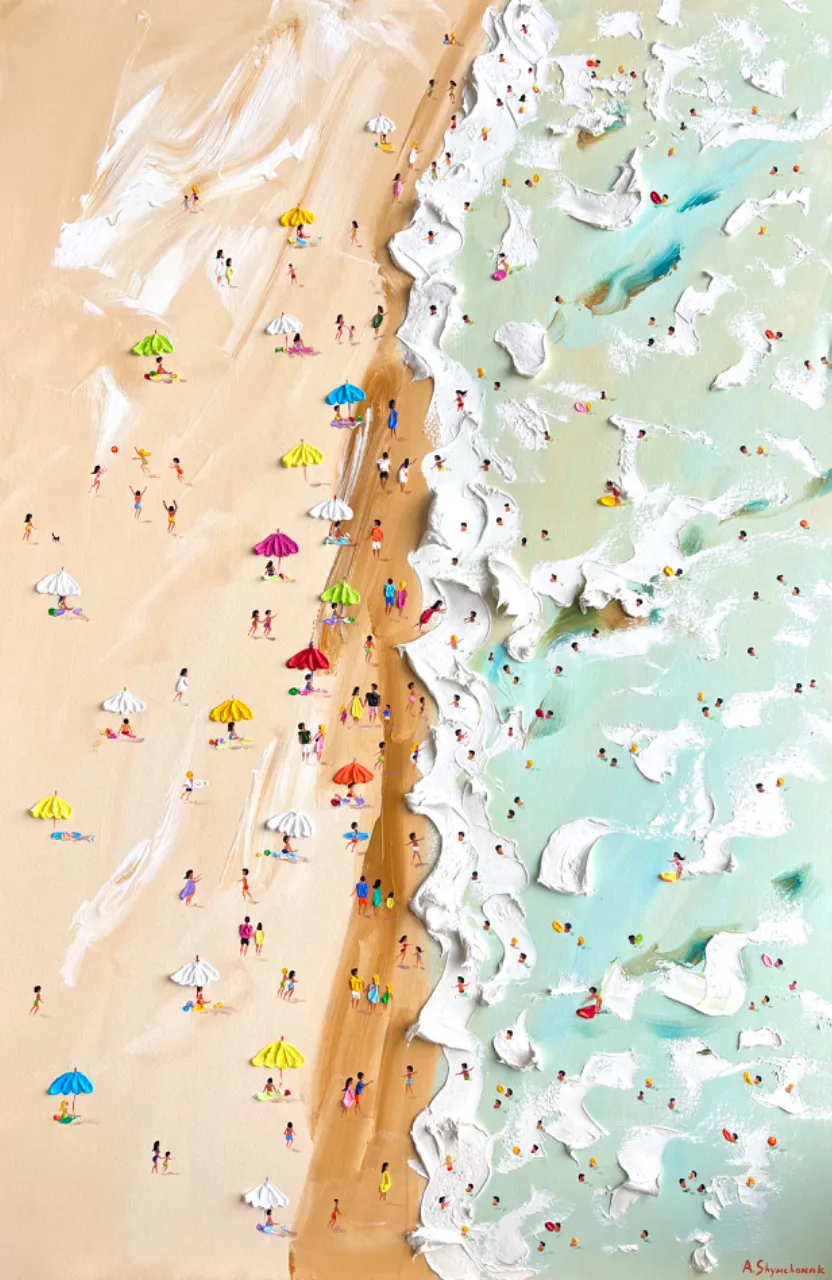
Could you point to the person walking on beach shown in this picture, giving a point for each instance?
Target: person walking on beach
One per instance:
(377, 897)
(259, 939)
(155, 1156)
(289, 1135)
(389, 596)
(360, 1085)
(97, 473)
(245, 931)
(138, 494)
(356, 987)
(383, 465)
(398, 188)
(339, 327)
(372, 701)
(255, 623)
(403, 474)
(354, 234)
(361, 892)
(305, 740)
(392, 418)
(376, 537)
(244, 889)
(37, 1002)
(385, 1182)
(319, 742)
(229, 274)
(181, 685)
(403, 945)
(293, 275)
(369, 649)
(332, 1225)
(378, 321)
(401, 598)
(356, 706)
(166, 1162)
(27, 527)
(412, 156)
(219, 266)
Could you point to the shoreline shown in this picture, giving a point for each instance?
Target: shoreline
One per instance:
(386, 1134)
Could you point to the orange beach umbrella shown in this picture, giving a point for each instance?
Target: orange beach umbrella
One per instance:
(351, 774)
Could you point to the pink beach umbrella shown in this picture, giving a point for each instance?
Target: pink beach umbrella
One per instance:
(277, 545)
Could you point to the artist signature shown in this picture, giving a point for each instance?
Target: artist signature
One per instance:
(763, 1268)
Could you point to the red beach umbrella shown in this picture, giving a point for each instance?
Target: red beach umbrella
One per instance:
(309, 659)
(277, 544)
(351, 774)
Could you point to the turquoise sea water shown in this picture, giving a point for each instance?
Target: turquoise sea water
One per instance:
(693, 641)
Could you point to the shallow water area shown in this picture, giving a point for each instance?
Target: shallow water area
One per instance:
(714, 440)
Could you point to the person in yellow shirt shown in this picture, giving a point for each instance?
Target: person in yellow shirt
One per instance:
(356, 987)
(385, 1182)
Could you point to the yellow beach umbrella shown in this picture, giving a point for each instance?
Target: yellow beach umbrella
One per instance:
(279, 1054)
(53, 807)
(302, 455)
(297, 217)
(231, 711)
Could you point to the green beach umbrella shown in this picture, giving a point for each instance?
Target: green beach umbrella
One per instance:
(341, 593)
(155, 344)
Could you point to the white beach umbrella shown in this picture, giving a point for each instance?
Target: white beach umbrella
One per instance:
(196, 974)
(380, 124)
(284, 324)
(124, 704)
(332, 509)
(58, 584)
(266, 1196)
(291, 823)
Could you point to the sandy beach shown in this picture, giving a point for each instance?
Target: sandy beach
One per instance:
(99, 925)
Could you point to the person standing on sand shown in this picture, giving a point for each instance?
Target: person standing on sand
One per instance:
(255, 622)
(305, 740)
(403, 474)
(412, 156)
(385, 1182)
(383, 465)
(356, 706)
(259, 939)
(27, 527)
(244, 889)
(369, 649)
(340, 326)
(360, 1085)
(389, 596)
(37, 1002)
(245, 931)
(155, 1156)
(181, 685)
(398, 188)
(356, 987)
(401, 598)
(392, 418)
(332, 1225)
(347, 1097)
(377, 897)
(372, 701)
(187, 894)
(319, 743)
(293, 275)
(354, 234)
(378, 321)
(376, 537)
(408, 1081)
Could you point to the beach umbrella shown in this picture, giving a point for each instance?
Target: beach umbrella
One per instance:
(276, 544)
(308, 659)
(291, 823)
(284, 324)
(231, 711)
(352, 774)
(71, 1083)
(156, 344)
(296, 217)
(346, 393)
(280, 1055)
(302, 455)
(58, 584)
(332, 509)
(198, 973)
(266, 1196)
(52, 807)
(380, 124)
(341, 593)
(124, 704)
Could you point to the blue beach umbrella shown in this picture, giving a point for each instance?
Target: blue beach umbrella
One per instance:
(346, 394)
(71, 1082)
